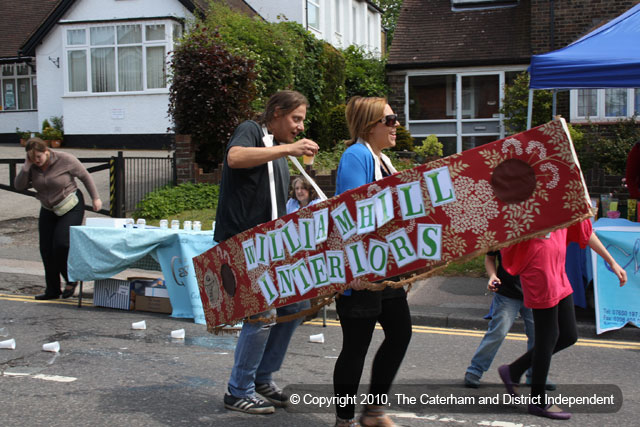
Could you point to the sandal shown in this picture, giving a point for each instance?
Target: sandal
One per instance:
(374, 416)
(69, 290)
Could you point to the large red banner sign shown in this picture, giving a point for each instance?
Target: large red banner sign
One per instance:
(457, 207)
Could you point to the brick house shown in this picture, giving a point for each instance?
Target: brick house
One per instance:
(450, 60)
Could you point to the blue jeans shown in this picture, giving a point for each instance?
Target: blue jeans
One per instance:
(261, 348)
(505, 310)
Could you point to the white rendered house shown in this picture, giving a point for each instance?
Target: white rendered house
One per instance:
(340, 22)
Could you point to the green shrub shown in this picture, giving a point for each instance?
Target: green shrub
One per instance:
(168, 201)
(609, 152)
(577, 137)
(271, 47)
(286, 56)
(430, 148)
(57, 123)
(335, 128)
(23, 134)
(210, 94)
(404, 140)
(365, 74)
(515, 104)
(331, 64)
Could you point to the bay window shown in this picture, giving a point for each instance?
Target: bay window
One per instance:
(118, 58)
(17, 87)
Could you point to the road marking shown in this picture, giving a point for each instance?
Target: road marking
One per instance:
(583, 342)
(57, 378)
(30, 298)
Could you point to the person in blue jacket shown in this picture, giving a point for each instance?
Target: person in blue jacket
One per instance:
(302, 195)
(372, 126)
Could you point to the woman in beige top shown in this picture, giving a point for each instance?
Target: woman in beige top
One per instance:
(52, 174)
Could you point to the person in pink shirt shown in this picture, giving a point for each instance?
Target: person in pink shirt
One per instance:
(540, 263)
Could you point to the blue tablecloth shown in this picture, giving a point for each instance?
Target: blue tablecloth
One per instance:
(100, 253)
(616, 306)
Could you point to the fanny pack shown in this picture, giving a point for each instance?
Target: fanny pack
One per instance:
(66, 204)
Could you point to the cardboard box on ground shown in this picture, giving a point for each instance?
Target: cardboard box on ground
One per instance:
(135, 293)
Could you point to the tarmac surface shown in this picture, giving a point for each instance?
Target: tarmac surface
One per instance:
(452, 302)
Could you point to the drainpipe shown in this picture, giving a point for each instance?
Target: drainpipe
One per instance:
(306, 13)
(552, 45)
(551, 25)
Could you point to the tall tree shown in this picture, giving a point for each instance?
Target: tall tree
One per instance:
(391, 11)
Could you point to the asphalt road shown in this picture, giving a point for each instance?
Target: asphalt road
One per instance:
(108, 374)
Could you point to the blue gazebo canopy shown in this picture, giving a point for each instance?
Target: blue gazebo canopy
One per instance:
(606, 57)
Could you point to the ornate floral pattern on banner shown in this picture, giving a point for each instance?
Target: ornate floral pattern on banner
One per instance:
(457, 207)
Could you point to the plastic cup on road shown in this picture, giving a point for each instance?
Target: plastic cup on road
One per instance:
(8, 344)
(307, 160)
(187, 226)
(175, 224)
(318, 338)
(197, 226)
(139, 325)
(141, 223)
(53, 347)
(128, 223)
(178, 334)
(164, 224)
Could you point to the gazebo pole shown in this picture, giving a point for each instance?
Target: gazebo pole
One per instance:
(530, 109)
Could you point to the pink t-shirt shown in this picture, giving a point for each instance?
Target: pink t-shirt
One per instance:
(540, 264)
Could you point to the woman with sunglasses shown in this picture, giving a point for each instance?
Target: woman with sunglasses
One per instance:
(372, 126)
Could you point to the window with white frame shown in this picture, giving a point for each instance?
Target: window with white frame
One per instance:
(118, 58)
(17, 87)
(604, 105)
(313, 14)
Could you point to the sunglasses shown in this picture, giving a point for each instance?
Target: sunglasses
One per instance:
(389, 120)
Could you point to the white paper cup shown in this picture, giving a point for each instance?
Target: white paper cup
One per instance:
(319, 338)
(178, 334)
(139, 325)
(8, 344)
(51, 346)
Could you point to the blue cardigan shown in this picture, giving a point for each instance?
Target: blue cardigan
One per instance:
(356, 168)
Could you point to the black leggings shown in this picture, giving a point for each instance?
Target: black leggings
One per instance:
(555, 330)
(356, 337)
(54, 243)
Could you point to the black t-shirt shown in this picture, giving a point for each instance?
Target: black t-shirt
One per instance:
(245, 196)
(510, 286)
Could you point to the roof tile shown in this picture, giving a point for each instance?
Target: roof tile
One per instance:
(429, 33)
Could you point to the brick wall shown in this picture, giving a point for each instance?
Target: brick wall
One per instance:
(572, 20)
(397, 95)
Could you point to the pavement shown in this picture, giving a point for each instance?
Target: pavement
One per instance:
(439, 301)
